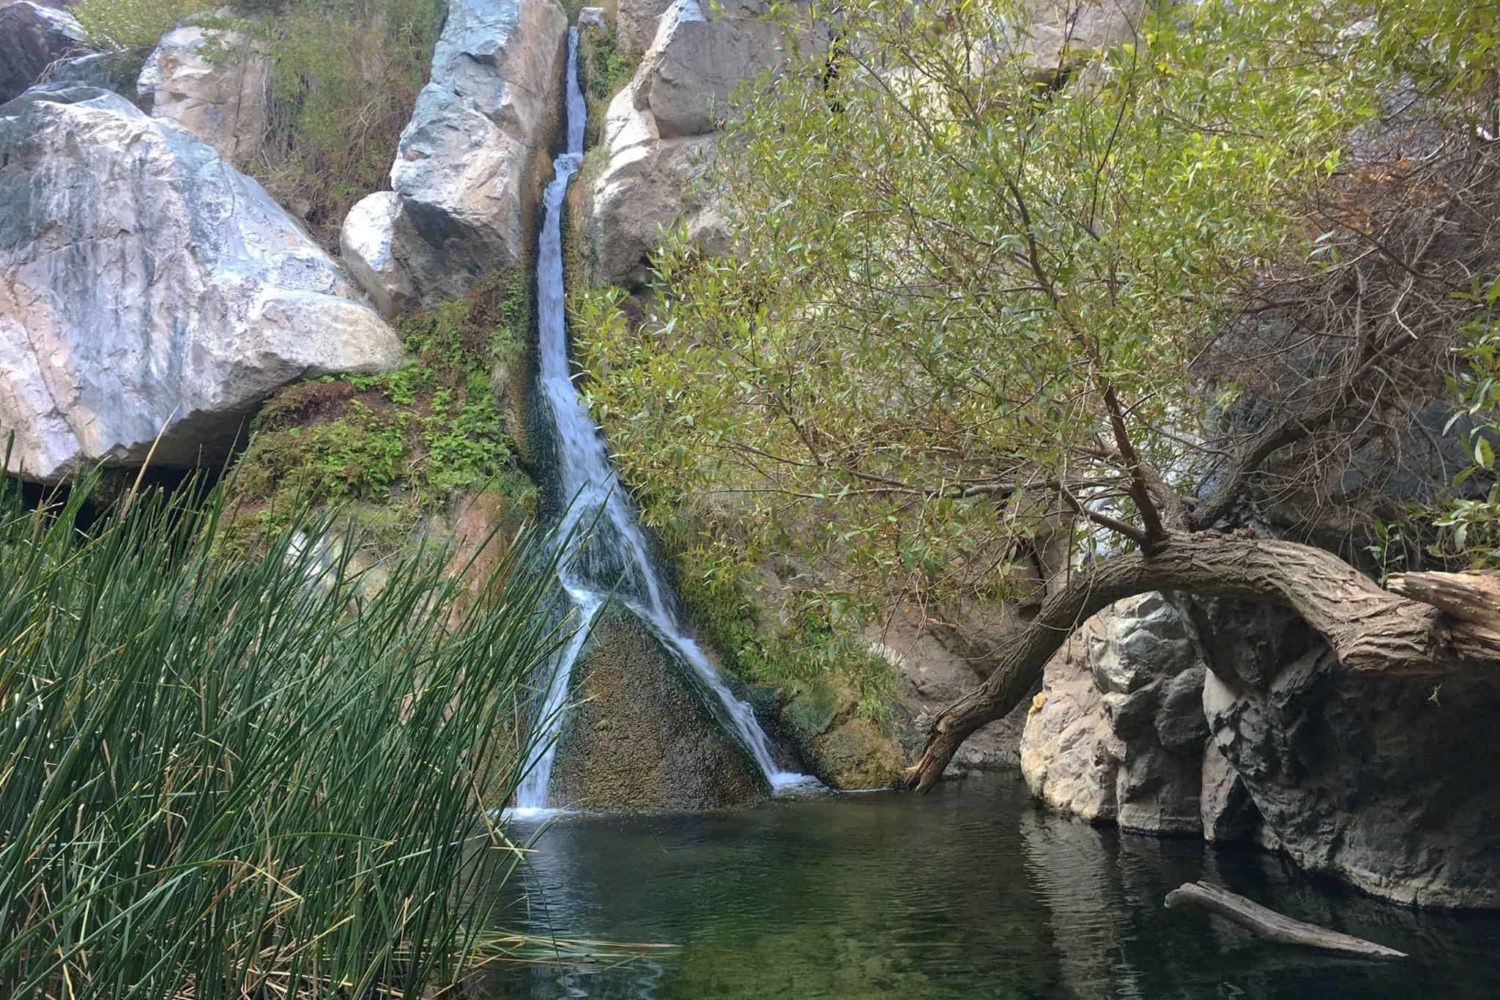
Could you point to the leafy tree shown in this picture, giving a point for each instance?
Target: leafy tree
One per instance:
(997, 303)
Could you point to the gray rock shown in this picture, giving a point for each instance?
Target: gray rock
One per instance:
(213, 82)
(660, 135)
(638, 21)
(696, 63)
(593, 17)
(33, 36)
(148, 287)
(1384, 782)
(648, 184)
(470, 162)
(1118, 731)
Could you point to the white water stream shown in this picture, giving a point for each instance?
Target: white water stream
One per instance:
(608, 552)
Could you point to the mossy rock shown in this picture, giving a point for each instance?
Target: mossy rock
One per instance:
(642, 735)
(857, 753)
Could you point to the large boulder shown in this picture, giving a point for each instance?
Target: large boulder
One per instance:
(1118, 731)
(1384, 782)
(660, 135)
(472, 159)
(33, 36)
(642, 734)
(148, 288)
(214, 82)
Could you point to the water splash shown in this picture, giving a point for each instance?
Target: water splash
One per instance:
(608, 552)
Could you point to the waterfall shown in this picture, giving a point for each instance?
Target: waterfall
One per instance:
(608, 552)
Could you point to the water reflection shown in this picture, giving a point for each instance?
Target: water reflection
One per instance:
(969, 892)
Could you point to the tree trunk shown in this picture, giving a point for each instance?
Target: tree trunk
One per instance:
(1370, 630)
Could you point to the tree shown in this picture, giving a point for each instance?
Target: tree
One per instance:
(998, 301)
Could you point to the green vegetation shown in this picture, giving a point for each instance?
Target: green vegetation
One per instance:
(133, 24)
(992, 303)
(605, 71)
(233, 776)
(344, 77)
(397, 446)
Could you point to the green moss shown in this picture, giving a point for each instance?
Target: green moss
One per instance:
(390, 448)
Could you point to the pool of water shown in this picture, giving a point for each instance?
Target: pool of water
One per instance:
(971, 891)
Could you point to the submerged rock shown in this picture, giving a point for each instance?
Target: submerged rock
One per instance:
(33, 36)
(147, 287)
(642, 735)
(213, 82)
(470, 163)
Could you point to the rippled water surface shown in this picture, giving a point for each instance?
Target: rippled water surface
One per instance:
(969, 892)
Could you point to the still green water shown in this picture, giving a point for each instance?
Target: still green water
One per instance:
(972, 891)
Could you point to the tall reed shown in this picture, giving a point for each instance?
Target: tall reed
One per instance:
(227, 776)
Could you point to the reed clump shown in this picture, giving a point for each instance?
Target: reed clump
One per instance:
(232, 774)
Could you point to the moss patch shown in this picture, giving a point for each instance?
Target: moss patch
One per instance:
(389, 449)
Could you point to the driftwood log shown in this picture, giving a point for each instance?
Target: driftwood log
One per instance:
(1271, 925)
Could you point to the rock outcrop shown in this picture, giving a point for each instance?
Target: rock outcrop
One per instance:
(1384, 782)
(659, 133)
(33, 36)
(213, 82)
(470, 163)
(1118, 731)
(148, 288)
(642, 734)
(1236, 721)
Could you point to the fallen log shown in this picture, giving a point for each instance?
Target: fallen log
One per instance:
(1269, 924)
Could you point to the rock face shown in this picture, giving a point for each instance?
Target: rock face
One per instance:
(1118, 731)
(659, 133)
(642, 735)
(1383, 782)
(638, 20)
(471, 160)
(148, 287)
(33, 36)
(222, 100)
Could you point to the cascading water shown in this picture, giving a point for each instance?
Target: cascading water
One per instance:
(611, 555)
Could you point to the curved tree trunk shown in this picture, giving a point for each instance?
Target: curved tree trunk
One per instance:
(1369, 629)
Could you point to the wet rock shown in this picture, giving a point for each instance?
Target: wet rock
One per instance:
(1118, 731)
(215, 83)
(148, 287)
(33, 36)
(1380, 781)
(472, 159)
(643, 735)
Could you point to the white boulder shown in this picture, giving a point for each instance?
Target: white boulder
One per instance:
(148, 288)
